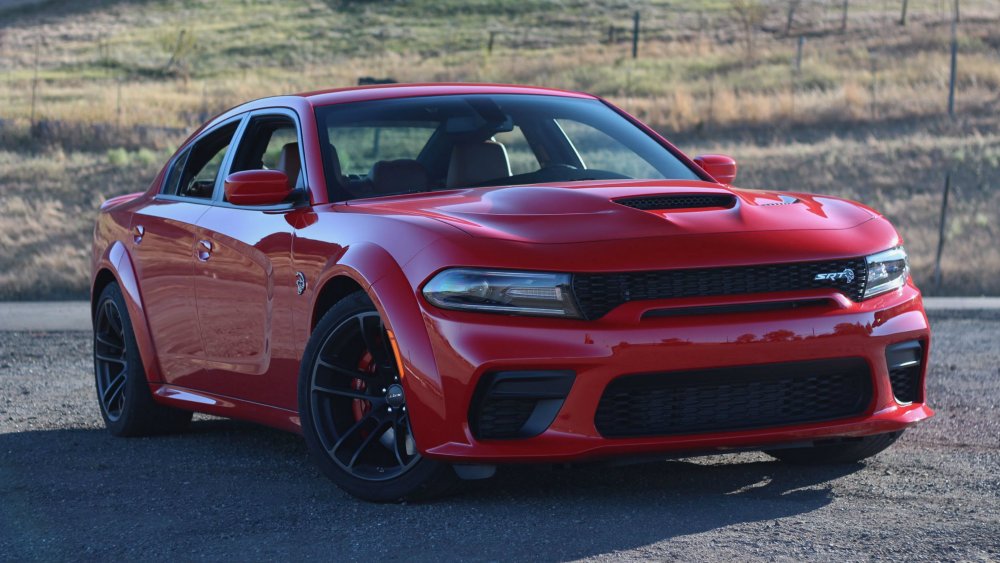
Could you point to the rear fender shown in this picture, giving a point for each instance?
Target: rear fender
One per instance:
(117, 260)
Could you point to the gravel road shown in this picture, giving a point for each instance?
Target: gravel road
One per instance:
(228, 490)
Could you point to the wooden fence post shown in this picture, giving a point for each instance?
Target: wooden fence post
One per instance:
(941, 232)
(798, 53)
(635, 35)
(954, 62)
(34, 90)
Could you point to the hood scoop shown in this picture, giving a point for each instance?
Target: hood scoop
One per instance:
(784, 200)
(678, 201)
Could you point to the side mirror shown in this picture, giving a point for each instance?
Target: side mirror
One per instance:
(257, 187)
(718, 166)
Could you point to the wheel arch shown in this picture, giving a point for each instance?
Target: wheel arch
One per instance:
(372, 269)
(330, 293)
(115, 266)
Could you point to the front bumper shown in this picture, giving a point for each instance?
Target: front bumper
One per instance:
(468, 346)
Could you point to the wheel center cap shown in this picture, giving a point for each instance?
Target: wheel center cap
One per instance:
(394, 395)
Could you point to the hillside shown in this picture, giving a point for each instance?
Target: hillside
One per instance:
(94, 94)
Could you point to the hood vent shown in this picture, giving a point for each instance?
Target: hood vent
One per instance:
(678, 201)
(785, 200)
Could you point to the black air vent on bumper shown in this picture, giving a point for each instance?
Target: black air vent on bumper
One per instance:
(678, 201)
(905, 363)
(737, 398)
(598, 294)
(517, 404)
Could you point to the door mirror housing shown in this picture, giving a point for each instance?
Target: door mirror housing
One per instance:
(257, 187)
(718, 166)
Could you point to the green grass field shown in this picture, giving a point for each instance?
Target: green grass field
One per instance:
(94, 94)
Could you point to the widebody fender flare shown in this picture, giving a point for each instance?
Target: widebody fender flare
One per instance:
(383, 279)
(118, 262)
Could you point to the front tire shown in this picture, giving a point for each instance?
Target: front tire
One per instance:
(353, 410)
(839, 453)
(123, 394)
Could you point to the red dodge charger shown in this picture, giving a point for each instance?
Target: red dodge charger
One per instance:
(426, 281)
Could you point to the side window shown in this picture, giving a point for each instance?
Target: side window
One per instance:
(271, 142)
(195, 171)
(603, 152)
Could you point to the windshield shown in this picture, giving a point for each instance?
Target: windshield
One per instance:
(409, 145)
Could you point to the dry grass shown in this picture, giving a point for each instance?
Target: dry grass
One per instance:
(862, 119)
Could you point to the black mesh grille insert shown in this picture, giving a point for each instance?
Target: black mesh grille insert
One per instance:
(734, 398)
(504, 418)
(597, 294)
(678, 201)
(906, 384)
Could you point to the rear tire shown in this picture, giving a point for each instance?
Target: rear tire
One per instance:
(123, 394)
(353, 411)
(839, 453)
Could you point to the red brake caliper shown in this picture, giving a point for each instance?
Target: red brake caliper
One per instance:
(360, 407)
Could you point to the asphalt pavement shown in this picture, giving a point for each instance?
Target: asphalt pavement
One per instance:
(230, 490)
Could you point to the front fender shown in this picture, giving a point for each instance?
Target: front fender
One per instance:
(118, 262)
(382, 278)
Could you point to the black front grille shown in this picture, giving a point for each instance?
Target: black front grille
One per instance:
(678, 201)
(736, 398)
(597, 294)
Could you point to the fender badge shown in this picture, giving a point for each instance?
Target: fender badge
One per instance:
(300, 282)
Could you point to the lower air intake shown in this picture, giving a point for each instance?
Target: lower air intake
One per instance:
(719, 400)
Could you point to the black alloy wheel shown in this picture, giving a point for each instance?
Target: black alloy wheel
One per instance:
(354, 413)
(355, 374)
(110, 360)
(123, 394)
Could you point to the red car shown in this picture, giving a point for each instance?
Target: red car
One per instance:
(426, 281)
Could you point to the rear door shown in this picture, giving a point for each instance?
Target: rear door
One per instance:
(245, 280)
(163, 251)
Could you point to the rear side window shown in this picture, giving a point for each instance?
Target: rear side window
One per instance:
(195, 171)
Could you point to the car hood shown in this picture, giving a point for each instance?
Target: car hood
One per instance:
(595, 211)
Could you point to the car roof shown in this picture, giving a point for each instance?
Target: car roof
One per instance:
(306, 100)
(385, 91)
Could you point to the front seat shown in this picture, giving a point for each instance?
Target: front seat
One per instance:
(398, 176)
(476, 163)
(289, 163)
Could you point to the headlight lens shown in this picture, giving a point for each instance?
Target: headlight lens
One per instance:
(886, 271)
(500, 291)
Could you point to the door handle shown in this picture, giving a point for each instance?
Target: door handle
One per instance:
(204, 250)
(137, 232)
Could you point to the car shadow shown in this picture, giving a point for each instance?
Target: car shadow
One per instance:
(229, 487)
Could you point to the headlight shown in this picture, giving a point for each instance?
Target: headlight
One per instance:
(499, 291)
(886, 271)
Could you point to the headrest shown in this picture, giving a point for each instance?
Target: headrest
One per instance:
(477, 163)
(394, 176)
(289, 163)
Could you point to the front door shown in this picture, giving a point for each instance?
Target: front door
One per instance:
(245, 281)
